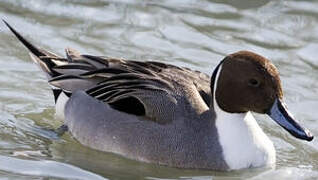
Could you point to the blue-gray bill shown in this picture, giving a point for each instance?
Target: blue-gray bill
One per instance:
(280, 114)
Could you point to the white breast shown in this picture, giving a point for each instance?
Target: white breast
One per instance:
(243, 142)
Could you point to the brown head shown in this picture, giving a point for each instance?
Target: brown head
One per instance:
(249, 82)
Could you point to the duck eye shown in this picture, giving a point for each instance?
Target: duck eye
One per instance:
(253, 83)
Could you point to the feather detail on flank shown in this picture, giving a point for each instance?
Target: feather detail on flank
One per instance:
(243, 142)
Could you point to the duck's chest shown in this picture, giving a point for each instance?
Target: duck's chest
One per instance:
(243, 142)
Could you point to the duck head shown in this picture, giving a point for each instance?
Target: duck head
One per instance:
(249, 82)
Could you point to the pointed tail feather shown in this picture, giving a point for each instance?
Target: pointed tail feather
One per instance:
(41, 57)
(44, 59)
(27, 44)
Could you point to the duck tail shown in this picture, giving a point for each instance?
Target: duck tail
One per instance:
(26, 43)
(45, 59)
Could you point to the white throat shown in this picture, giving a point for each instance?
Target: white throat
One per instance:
(243, 142)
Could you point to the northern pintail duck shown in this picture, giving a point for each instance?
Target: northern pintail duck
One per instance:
(163, 114)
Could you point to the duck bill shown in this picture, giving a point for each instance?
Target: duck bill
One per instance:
(282, 116)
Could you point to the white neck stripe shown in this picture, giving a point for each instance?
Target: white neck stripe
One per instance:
(243, 142)
(215, 105)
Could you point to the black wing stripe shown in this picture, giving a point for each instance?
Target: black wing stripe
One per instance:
(75, 66)
(105, 72)
(112, 87)
(134, 76)
(134, 67)
(96, 61)
(114, 93)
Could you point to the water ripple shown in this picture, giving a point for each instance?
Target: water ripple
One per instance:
(196, 34)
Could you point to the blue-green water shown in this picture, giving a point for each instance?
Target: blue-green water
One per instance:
(195, 34)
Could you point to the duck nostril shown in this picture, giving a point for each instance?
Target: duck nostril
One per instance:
(253, 82)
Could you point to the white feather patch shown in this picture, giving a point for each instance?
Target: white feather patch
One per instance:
(243, 142)
(60, 106)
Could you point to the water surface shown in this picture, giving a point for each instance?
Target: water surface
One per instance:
(195, 34)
